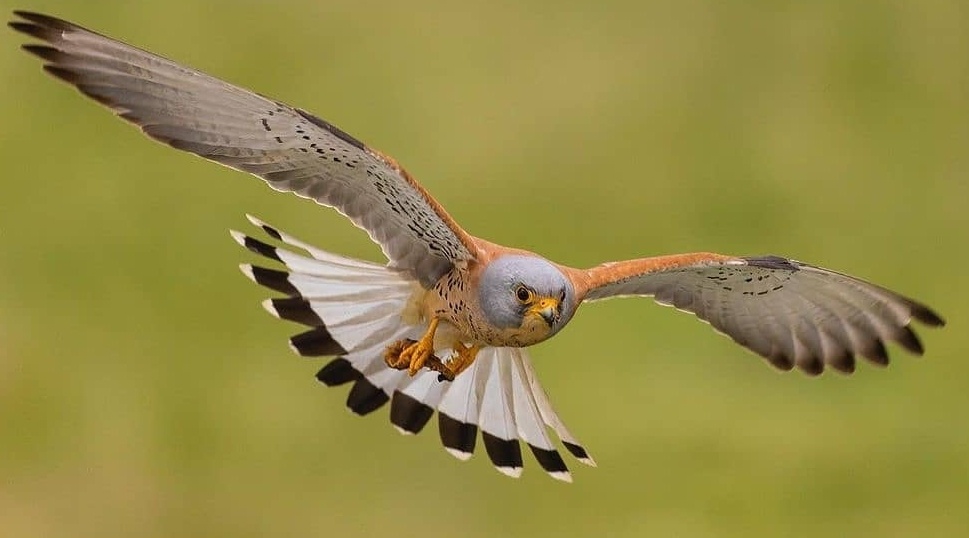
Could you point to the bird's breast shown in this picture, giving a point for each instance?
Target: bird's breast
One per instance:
(454, 301)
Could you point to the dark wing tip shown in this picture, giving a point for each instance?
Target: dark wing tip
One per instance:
(576, 450)
(455, 435)
(45, 21)
(550, 460)
(273, 279)
(338, 372)
(316, 342)
(781, 361)
(409, 414)
(812, 366)
(295, 309)
(260, 248)
(505, 454)
(907, 338)
(30, 29)
(927, 316)
(44, 27)
(71, 78)
(44, 52)
(272, 232)
(876, 353)
(365, 397)
(843, 362)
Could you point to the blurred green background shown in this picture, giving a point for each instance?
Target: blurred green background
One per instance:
(144, 392)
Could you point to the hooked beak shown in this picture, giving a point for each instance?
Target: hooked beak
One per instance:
(547, 308)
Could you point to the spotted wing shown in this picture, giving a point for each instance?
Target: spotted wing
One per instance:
(791, 313)
(289, 148)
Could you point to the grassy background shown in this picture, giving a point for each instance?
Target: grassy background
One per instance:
(144, 392)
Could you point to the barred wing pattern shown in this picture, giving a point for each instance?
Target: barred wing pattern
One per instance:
(354, 311)
(290, 149)
(791, 313)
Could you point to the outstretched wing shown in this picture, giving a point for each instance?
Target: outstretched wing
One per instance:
(291, 149)
(791, 313)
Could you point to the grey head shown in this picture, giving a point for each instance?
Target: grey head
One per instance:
(526, 293)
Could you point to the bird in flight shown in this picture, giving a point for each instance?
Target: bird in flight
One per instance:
(444, 324)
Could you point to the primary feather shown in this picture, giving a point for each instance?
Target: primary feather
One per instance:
(291, 149)
(791, 313)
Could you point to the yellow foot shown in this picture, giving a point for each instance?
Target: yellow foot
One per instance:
(433, 362)
(413, 355)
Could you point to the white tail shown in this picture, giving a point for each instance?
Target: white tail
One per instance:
(355, 309)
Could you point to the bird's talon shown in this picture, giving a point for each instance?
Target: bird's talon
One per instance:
(412, 355)
(417, 354)
(394, 356)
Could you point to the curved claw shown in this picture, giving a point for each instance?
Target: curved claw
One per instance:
(413, 355)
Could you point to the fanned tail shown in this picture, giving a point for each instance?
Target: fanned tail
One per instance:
(355, 309)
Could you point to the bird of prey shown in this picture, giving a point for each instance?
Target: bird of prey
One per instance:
(444, 324)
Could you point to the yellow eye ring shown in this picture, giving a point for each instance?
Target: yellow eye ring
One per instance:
(523, 294)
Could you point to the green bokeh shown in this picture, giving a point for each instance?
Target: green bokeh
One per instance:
(144, 392)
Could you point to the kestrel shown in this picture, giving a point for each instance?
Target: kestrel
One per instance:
(444, 324)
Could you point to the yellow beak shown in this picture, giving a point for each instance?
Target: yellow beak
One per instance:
(547, 308)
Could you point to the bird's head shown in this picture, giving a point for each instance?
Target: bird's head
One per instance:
(528, 295)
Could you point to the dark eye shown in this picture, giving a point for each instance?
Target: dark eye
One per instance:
(523, 294)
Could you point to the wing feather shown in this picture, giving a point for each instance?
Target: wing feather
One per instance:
(499, 430)
(792, 313)
(531, 428)
(290, 149)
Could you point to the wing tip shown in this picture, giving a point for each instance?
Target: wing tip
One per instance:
(246, 269)
(927, 316)
(459, 438)
(44, 52)
(271, 278)
(365, 397)
(254, 220)
(907, 338)
(238, 237)
(514, 472)
(44, 21)
(25, 27)
(296, 309)
(580, 453)
(551, 461)
(844, 364)
(505, 454)
(561, 476)
(39, 25)
(256, 246)
(458, 453)
(270, 230)
(338, 372)
(316, 342)
(271, 308)
(409, 415)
